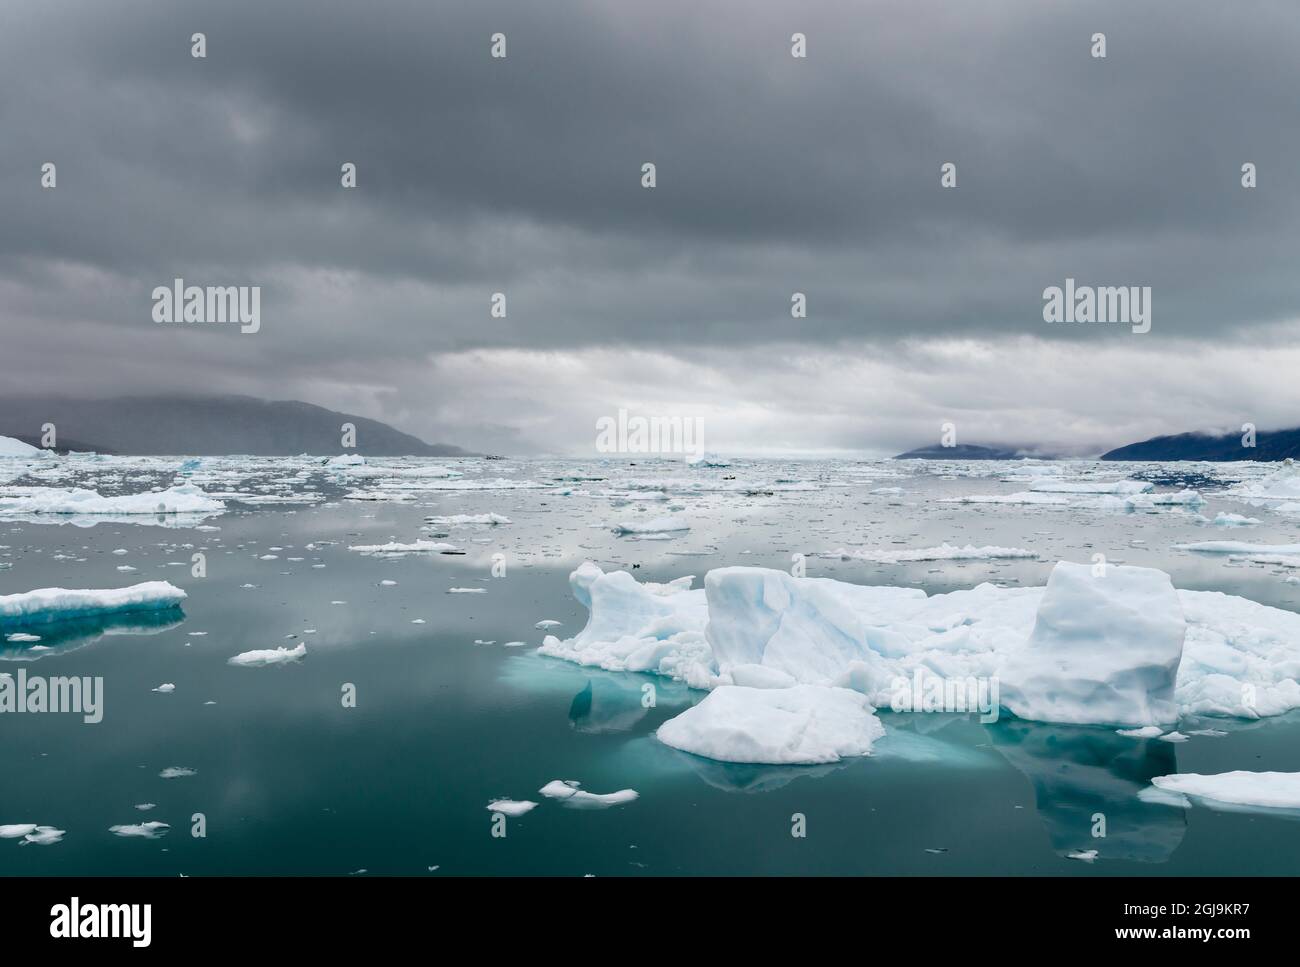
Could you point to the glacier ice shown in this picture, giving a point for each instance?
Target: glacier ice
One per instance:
(61, 604)
(1265, 790)
(1139, 652)
(802, 724)
(75, 501)
(1105, 649)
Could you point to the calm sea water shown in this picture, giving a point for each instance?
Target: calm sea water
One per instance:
(291, 782)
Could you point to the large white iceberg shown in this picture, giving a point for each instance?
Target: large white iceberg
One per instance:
(1105, 648)
(60, 604)
(762, 627)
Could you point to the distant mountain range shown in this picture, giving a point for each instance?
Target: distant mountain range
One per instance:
(1269, 445)
(205, 426)
(970, 451)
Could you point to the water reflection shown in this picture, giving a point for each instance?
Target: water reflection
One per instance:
(1080, 773)
(61, 637)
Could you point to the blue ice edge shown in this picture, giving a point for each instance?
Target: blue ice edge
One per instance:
(55, 605)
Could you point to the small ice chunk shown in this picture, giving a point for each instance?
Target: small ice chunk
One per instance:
(510, 807)
(44, 836)
(176, 772)
(150, 830)
(268, 656)
(567, 790)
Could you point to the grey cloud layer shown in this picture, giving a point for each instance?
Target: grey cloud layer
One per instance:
(522, 175)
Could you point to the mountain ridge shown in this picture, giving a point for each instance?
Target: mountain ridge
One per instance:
(199, 425)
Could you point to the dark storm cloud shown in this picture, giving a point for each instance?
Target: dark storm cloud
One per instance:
(775, 175)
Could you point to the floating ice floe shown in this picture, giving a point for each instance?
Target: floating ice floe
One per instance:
(467, 590)
(1282, 484)
(154, 829)
(75, 501)
(1086, 500)
(176, 772)
(268, 656)
(944, 552)
(657, 525)
(803, 724)
(44, 836)
(1233, 520)
(454, 519)
(415, 547)
(1119, 487)
(511, 807)
(61, 604)
(567, 791)
(1264, 790)
(1243, 548)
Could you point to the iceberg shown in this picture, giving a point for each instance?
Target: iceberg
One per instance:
(1105, 649)
(765, 629)
(74, 501)
(9, 447)
(1264, 790)
(60, 604)
(637, 627)
(803, 724)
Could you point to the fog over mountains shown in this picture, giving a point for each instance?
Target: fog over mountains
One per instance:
(204, 426)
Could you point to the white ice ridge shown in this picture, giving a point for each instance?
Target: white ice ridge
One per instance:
(1238, 547)
(1125, 487)
(417, 547)
(1269, 790)
(60, 604)
(454, 519)
(186, 499)
(659, 525)
(1088, 500)
(1239, 658)
(9, 447)
(944, 552)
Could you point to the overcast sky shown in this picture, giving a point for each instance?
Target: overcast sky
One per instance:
(775, 175)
